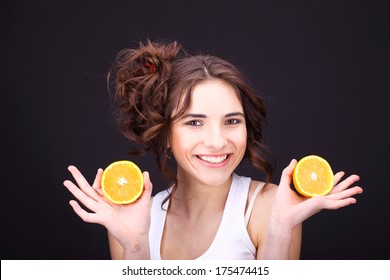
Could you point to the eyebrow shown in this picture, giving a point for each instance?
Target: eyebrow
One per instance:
(234, 114)
(201, 116)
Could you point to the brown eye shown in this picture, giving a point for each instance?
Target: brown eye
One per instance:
(233, 121)
(194, 123)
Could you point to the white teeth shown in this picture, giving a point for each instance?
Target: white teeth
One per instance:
(211, 159)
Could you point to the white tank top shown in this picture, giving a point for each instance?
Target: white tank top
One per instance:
(232, 241)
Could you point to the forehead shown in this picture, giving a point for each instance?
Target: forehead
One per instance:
(214, 96)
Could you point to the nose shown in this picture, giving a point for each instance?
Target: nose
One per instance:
(215, 138)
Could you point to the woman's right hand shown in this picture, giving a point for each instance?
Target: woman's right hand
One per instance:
(128, 223)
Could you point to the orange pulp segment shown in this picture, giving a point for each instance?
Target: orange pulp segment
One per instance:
(122, 182)
(313, 176)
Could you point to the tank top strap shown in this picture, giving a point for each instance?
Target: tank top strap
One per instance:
(252, 202)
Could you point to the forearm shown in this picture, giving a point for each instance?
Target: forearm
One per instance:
(281, 241)
(276, 245)
(134, 249)
(139, 251)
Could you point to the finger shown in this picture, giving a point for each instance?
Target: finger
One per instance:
(346, 193)
(287, 173)
(317, 203)
(337, 177)
(82, 182)
(97, 182)
(336, 204)
(84, 215)
(345, 183)
(80, 195)
(148, 186)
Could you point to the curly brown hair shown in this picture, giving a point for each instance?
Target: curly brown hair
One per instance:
(156, 79)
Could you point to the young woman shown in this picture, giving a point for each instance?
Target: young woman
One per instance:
(200, 112)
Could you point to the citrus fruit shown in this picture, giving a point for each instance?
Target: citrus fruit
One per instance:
(122, 182)
(313, 176)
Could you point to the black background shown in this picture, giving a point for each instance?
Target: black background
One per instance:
(321, 66)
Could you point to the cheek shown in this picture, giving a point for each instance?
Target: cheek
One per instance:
(240, 137)
(180, 141)
(244, 140)
(241, 141)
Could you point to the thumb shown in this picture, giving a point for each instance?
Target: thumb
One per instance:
(287, 174)
(148, 186)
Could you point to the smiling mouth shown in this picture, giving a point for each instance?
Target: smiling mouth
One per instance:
(213, 159)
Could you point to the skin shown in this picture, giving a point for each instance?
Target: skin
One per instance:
(208, 133)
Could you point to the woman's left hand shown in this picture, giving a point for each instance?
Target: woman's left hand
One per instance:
(292, 209)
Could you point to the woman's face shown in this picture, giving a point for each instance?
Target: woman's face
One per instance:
(209, 141)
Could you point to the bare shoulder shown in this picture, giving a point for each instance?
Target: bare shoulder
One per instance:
(261, 209)
(266, 195)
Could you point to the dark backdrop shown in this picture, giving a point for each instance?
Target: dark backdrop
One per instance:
(322, 67)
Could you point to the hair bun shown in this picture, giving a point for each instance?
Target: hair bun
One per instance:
(141, 78)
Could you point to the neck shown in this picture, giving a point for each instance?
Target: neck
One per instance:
(193, 198)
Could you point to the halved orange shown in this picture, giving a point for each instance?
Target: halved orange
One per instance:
(122, 182)
(313, 176)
